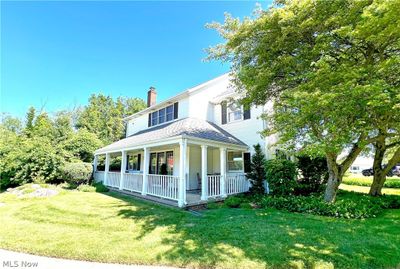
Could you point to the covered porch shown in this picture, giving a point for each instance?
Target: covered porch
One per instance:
(181, 172)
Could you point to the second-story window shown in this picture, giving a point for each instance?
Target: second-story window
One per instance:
(231, 112)
(163, 115)
(234, 112)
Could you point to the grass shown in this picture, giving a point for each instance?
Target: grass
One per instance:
(114, 228)
(366, 189)
(360, 180)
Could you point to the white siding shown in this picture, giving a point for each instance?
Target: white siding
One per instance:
(247, 131)
(198, 105)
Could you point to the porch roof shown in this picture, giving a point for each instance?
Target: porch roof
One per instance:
(187, 127)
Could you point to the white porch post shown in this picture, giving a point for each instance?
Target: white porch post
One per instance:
(95, 161)
(123, 168)
(182, 172)
(204, 180)
(146, 164)
(222, 155)
(106, 168)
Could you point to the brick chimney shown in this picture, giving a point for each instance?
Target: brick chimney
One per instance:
(151, 97)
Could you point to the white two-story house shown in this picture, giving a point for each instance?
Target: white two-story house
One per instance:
(188, 149)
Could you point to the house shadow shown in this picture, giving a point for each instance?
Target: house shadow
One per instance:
(266, 238)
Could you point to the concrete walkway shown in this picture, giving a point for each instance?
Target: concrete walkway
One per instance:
(11, 259)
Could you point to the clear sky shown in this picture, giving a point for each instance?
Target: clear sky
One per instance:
(55, 54)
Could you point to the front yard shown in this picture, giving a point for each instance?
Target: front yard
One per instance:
(113, 228)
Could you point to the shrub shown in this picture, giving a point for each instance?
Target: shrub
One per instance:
(31, 160)
(77, 173)
(314, 174)
(82, 144)
(86, 188)
(257, 171)
(100, 187)
(353, 206)
(245, 205)
(281, 176)
(213, 205)
(233, 201)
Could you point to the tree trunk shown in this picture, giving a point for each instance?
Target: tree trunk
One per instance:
(379, 173)
(377, 184)
(334, 180)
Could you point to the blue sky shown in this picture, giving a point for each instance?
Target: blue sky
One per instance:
(55, 54)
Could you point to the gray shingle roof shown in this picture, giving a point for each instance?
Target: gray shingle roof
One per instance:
(189, 127)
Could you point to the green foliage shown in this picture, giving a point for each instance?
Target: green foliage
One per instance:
(103, 116)
(233, 201)
(245, 205)
(38, 151)
(77, 173)
(31, 160)
(281, 176)
(314, 174)
(331, 67)
(257, 170)
(82, 144)
(100, 187)
(213, 205)
(86, 188)
(30, 117)
(11, 124)
(351, 207)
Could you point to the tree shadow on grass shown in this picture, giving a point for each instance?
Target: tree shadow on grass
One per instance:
(264, 238)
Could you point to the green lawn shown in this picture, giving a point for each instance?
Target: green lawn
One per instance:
(113, 228)
(363, 189)
(360, 180)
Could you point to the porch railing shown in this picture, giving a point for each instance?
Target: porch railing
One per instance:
(133, 182)
(98, 176)
(236, 183)
(113, 179)
(163, 186)
(214, 189)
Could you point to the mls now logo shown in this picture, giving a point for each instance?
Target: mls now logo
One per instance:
(20, 264)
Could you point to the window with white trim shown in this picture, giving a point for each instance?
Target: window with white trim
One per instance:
(133, 162)
(163, 115)
(235, 112)
(235, 161)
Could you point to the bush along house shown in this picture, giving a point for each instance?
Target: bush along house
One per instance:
(187, 150)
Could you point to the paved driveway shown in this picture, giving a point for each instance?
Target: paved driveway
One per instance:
(11, 259)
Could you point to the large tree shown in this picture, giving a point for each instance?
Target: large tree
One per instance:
(325, 65)
(103, 116)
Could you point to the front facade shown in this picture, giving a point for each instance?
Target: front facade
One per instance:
(191, 148)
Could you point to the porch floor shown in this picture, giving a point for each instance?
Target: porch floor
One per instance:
(192, 198)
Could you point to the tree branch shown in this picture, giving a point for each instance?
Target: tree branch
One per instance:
(354, 152)
(392, 162)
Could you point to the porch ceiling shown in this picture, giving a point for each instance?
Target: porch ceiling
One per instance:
(187, 127)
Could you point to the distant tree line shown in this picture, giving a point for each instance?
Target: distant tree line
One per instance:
(37, 148)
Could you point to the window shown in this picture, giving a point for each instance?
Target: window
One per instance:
(133, 162)
(153, 163)
(163, 115)
(170, 163)
(170, 113)
(235, 161)
(354, 168)
(154, 118)
(162, 163)
(234, 112)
